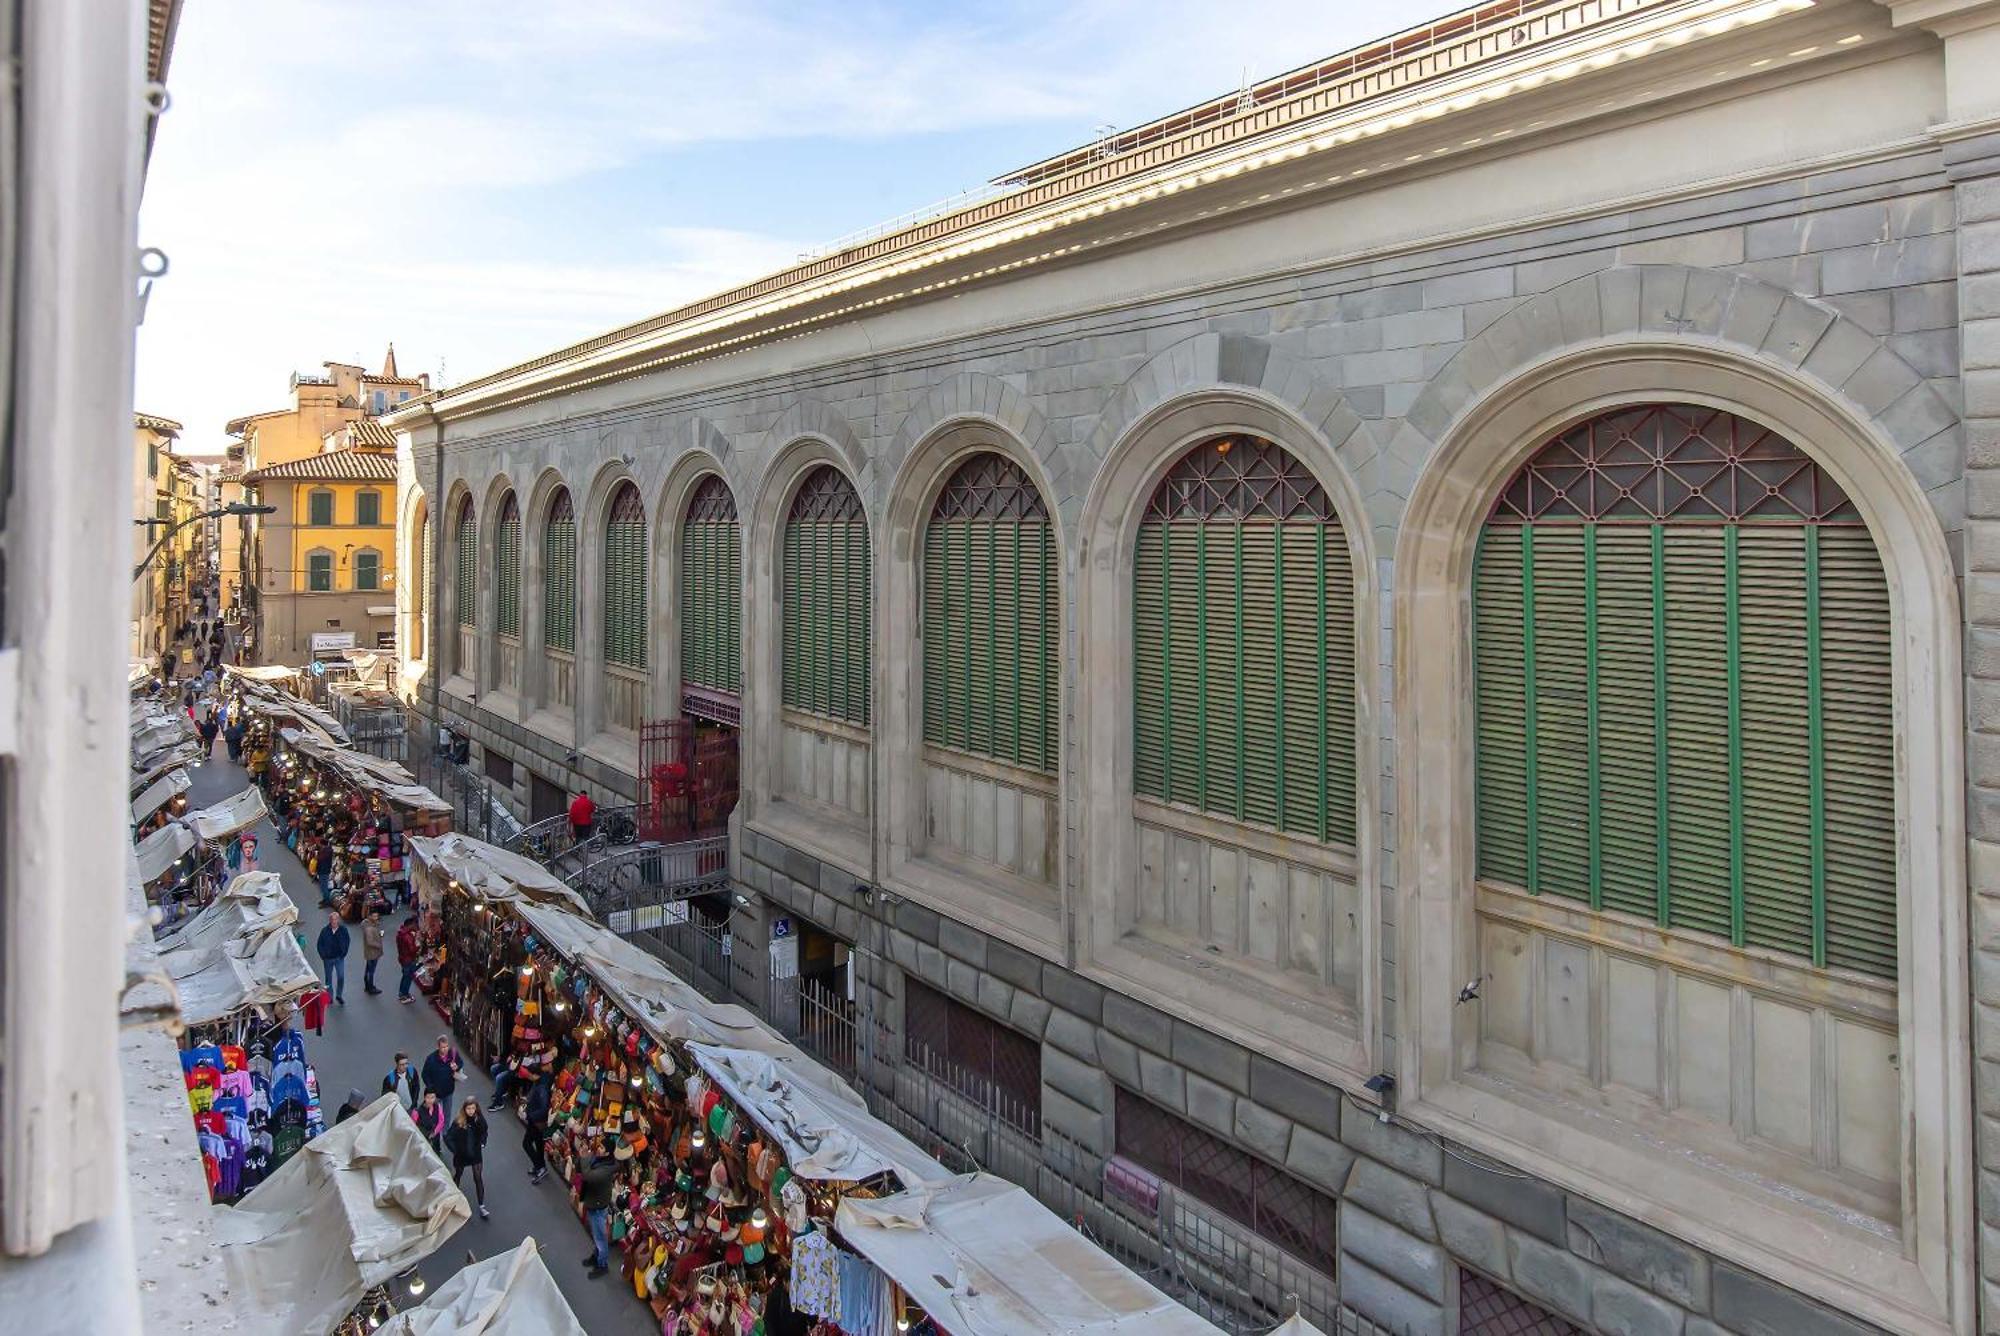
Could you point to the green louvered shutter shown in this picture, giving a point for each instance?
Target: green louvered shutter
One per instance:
(507, 563)
(1684, 697)
(1243, 639)
(712, 590)
(826, 613)
(990, 617)
(428, 565)
(468, 567)
(559, 576)
(625, 580)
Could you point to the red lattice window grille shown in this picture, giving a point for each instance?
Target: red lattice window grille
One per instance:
(1239, 478)
(712, 502)
(989, 486)
(826, 495)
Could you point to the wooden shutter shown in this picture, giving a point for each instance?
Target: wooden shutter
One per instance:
(625, 580)
(559, 576)
(1682, 648)
(1243, 639)
(507, 567)
(421, 602)
(712, 590)
(826, 618)
(468, 567)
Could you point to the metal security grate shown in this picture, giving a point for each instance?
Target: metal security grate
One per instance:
(977, 1056)
(1487, 1308)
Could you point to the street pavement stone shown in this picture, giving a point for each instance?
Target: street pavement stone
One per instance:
(361, 1040)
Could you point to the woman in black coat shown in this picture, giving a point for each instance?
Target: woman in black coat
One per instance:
(466, 1140)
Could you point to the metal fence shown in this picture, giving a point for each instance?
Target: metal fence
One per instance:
(475, 807)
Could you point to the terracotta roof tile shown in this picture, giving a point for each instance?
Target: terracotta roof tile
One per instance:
(347, 465)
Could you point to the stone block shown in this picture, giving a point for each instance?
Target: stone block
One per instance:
(1119, 1058)
(1162, 1082)
(1071, 1033)
(1387, 299)
(1029, 1014)
(1979, 247)
(996, 998)
(801, 866)
(931, 964)
(1525, 1203)
(965, 943)
(1619, 1309)
(1073, 993)
(1925, 259)
(1414, 1264)
(1618, 299)
(1414, 328)
(1796, 330)
(1016, 966)
(1478, 286)
(1556, 270)
(1402, 1150)
(1639, 1253)
(1321, 1161)
(1927, 306)
(1298, 1096)
(1703, 250)
(1916, 417)
(1393, 1196)
(1381, 1300)
(1551, 1277)
(918, 921)
(1474, 1237)
(1211, 1105)
(1753, 1306)
(1078, 1122)
(1259, 1129)
(1213, 1056)
(903, 949)
(1839, 352)
(1078, 1078)
(837, 883)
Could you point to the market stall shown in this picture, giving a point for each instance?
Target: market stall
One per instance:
(239, 957)
(149, 767)
(165, 793)
(976, 1255)
(228, 818)
(364, 1202)
(508, 1294)
(161, 853)
(349, 816)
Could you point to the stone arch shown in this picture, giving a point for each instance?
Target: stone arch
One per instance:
(1756, 352)
(814, 419)
(975, 396)
(459, 502)
(534, 518)
(708, 457)
(592, 508)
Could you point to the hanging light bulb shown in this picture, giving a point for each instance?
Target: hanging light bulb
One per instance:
(699, 1139)
(758, 1216)
(528, 971)
(415, 1281)
(479, 906)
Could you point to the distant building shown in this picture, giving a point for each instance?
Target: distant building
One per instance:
(166, 489)
(319, 574)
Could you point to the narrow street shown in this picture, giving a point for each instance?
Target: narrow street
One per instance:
(361, 1041)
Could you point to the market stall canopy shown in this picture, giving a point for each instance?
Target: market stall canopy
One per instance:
(984, 1258)
(264, 672)
(276, 705)
(372, 774)
(227, 817)
(162, 849)
(1296, 1326)
(137, 673)
(824, 1128)
(511, 1294)
(364, 1201)
(150, 766)
(370, 669)
(494, 873)
(253, 903)
(157, 734)
(159, 793)
(263, 971)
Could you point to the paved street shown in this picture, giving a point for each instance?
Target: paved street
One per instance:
(361, 1040)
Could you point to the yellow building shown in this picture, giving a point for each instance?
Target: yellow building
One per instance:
(320, 452)
(152, 501)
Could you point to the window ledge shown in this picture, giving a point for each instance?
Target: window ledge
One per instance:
(817, 830)
(1023, 913)
(1257, 839)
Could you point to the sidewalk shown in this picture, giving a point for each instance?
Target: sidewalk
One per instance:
(361, 1040)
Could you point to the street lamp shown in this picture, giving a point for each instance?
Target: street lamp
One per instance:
(175, 526)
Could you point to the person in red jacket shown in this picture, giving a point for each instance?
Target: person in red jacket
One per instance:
(409, 948)
(582, 816)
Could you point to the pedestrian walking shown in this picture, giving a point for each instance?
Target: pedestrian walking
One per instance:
(402, 1082)
(535, 1117)
(334, 943)
(442, 1068)
(409, 949)
(233, 735)
(597, 1182)
(429, 1116)
(356, 1101)
(210, 726)
(371, 950)
(582, 817)
(466, 1140)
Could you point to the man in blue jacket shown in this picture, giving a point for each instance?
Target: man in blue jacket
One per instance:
(333, 944)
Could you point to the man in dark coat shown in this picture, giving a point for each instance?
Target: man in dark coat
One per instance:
(334, 943)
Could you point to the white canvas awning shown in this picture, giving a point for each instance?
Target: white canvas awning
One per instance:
(265, 972)
(984, 1258)
(494, 873)
(162, 849)
(223, 819)
(252, 903)
(265, 672)
(510, 1294)
(1296, 1326)
(151, 765)
(363, 1201)
(371, 774)
(159, 793)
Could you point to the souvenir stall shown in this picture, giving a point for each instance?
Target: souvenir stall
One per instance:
(332, 1229)
(167, 869)
(508, 1294)
(160, 802)
(350, 816)
(240, 974)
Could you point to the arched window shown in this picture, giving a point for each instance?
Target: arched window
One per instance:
(507, 567)
(625, 580)
(712, 590)
(467, 582)
(990, 619)
(1682, 648)
(826, 596)
(1243, 629)
(559, 576)
(427, 567)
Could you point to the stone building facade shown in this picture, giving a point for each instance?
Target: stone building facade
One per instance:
(1413, 271)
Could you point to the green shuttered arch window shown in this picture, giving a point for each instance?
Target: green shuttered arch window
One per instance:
(825, 594)
(559, 575)
(1243, 631)
(712, 590)
(507, 567)
(467, 574)
(1682, 647)
(427, 568)
(990, 619)
(625, 580)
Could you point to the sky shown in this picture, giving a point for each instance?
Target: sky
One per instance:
(481, 181)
